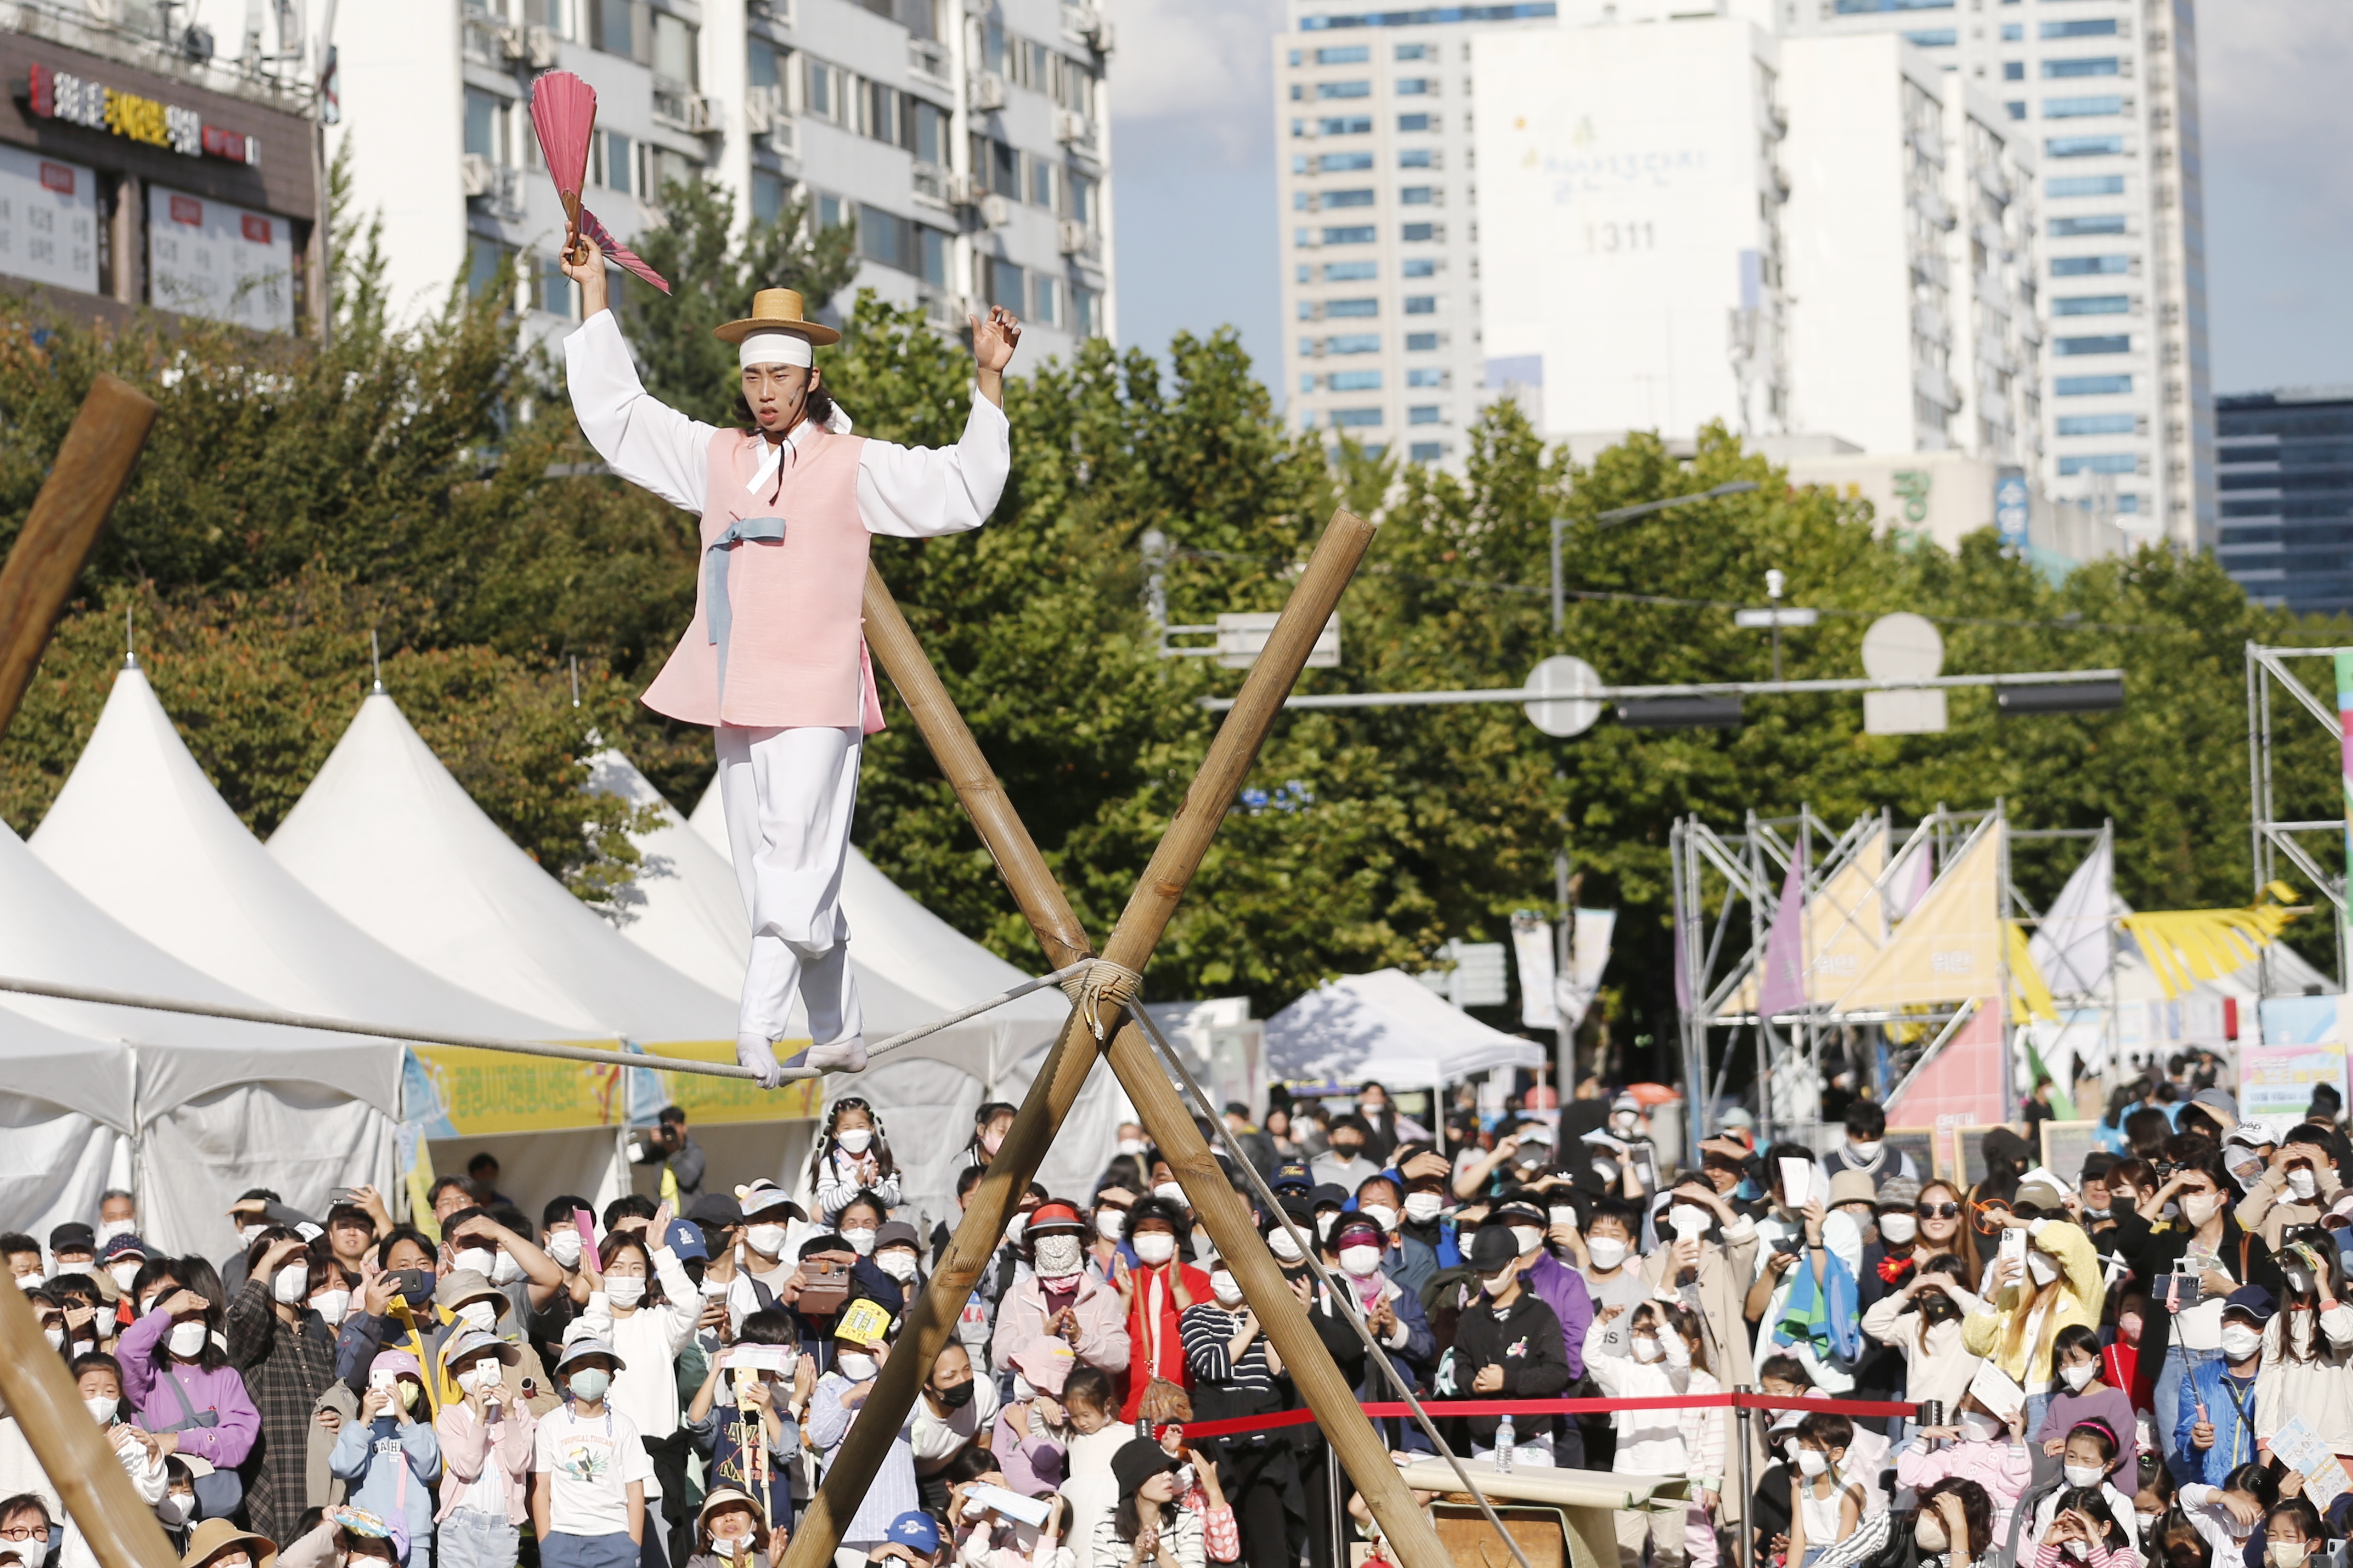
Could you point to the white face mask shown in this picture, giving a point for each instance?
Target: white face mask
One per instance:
(480, 1259)
(175, 1507)
(1898, 1228)
(767, 1240)
(2240, 1342)
(1110, 1224)
(1687, 1220)
(1361, 1261)
(1502, 1282)
(1606, 1169)
(1225, 1287)
(124, 1273)
(291, 1284)
(1134, 1146)
(188, 1337)
(1173, 1191)
(1647, 1349)
(899, 1264)
(1977, 1426)
(484, 1316)
(57, 1337)
(1423, 1207)
(1381, 1215)
(1156, 1247)
(2076, 1376)
(1812, 1462)
(855, 1365)
(724, 1545)
(1866, 1152)
(854, 1139)
(1930, 1534)
(2042, 1267)
(102, 1410)
(625, 1289)
(1528, 1236)
(2304, 1185)
(2084, 1475)
(331, 1305)
(506, 1270)
(108, 1229)
(2198, 1207)
(861, 1240)
(1607, 1252)
(1279, 1242)
(563, 1245)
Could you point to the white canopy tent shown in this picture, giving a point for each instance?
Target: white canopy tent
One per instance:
(387, 837)
(1386, 1027)
(141, 832)
(216, 1106)
(913, 967)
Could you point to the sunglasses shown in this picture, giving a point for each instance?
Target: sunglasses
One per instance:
(1938, 1211)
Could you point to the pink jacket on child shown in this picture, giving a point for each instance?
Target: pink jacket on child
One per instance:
(2002, 1469)
(466, 1450)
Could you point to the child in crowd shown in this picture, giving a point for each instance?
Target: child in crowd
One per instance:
(588, 1495)
(390, 1458)
(1826, 1504)
(486, 1439)
(852, 1156)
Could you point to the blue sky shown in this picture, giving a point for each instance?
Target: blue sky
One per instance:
(1196, 230)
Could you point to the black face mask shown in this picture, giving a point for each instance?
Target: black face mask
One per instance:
(1937, 1307)
(954, 1398)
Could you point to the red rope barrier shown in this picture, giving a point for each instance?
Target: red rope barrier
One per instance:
(1438, 1408)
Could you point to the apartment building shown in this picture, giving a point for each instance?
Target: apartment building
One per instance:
(1374, 132)
(2287, 480)
(969, 145)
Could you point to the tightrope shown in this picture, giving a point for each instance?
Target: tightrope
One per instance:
(1243, 1424)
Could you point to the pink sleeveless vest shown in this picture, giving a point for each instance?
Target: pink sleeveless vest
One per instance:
(784, 644)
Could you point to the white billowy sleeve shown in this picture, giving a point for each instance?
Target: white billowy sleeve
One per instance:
(916, 492)
(647, 442)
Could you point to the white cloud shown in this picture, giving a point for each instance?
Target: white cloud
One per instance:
(1197, 71)
(2272, 97)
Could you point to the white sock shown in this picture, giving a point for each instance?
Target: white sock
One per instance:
(754, 1052)
(846, 1054)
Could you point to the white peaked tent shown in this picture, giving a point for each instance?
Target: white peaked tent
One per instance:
(387, 837)
(1385, 1027)
(912, 967)
(141, 832)
(217, 1106)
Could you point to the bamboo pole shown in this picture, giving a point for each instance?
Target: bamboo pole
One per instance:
(91, 466)
(1058, 1085)
(80, 1462)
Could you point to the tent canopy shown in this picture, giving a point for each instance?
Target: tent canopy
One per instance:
(1386, 1026)
(140, 831)
(384, 836)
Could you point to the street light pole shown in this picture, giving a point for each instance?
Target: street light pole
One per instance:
(1628, 514)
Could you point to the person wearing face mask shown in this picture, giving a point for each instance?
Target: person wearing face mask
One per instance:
(898, 1252)
(22, 1254)
(2227, 1514)
(1983, 1446)
(1506, 1346)
(764, 1261)
(486, 1437)
(2085, 1397)
(1342, 1162)
(859, 1349)
(2059, 1283)
(1560, 1287)
(1865, 1148)
(743, 1420)
(1062, 1299)
(1425, 1240)
(647, 1329)
(2298, 1187)
(2214, 1426)
(2089, 1468)
(2191, 1260)
(1953, 1526)
(1155, 1295)
(1665, 1359)
(482, 1243)
(589, 1469)
(466, 1303)
(286, 1354)
(1815, 1259)
(955, 1411)
(255, 1211)
(2293, 1533)
(119, 1259)
(1921, 1322)
(177, 1377)
(98, 1380)
(1109, 1224)
(1380, 1123)
(2085, 1531)
(1708, 1258)
(2308, 1358)
(390, 1456)
(851, 1157)
(1392, 1313)
(1234, 1371)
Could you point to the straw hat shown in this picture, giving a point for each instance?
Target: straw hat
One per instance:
(777, 310)
(214, 1535)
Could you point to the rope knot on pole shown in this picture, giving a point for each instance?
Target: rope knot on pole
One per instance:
(1104, 982)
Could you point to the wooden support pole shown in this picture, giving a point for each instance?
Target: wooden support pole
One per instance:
(74, 1453)
(90, 472)
(1063, 1076)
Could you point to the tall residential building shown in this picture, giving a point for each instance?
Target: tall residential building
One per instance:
(969, 144)
(2287, 480)
(1380, 285)
(2108, 90)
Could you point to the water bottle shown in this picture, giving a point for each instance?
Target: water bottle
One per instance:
(1504, 1439)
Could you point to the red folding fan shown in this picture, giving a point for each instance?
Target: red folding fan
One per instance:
(563, 113)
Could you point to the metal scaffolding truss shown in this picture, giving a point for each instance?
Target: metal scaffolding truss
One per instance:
(2276, 841)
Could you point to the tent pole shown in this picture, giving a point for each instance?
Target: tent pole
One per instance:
(1057, 1087)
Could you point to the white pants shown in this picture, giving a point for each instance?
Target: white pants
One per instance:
(789, 796)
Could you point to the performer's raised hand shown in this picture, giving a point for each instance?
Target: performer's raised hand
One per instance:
(993, 342)
(589, 273)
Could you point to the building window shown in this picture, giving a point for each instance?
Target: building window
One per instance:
(998, 165)
(2091, 385)
(609, 27)
(2104, 65)
(1347, 125)
(1048, 310)
(1414, 52)
(484, 255)
(2075, 347)
(1002, 283)
(2089, 266)
(1420, 266)
(1421, 343)
(1086, 312)
(2067, 186)
(1354, 343)
(551, 289)
(766, 64)
(1350, 55)
(663, 169)
(1425, 452)
(1425, 414)
(675, 51)
(1081, 188)
(1416, 233)
(1416, 86)
(1346, 308)
(1421, 304)
(1343, 163)
(2092, 305)
(614, 162)
(2097, 223)
(1331, 90)
(827, 92)
(2083, 146)
(769, 195)
(1355, 381)
(1427, 375)
(2101, 27)
(1933, 38)
(1356, 199)
(2101, 463)
(1363, 236)
(1414, 196)
(832, 212)
(1351, 271)
(2099, 425)
(1415, 122)
(2015, 108)
(486, 125)
(2014, 70)
(1416, 158)
(929, 122)
(1042, 183)
(1355, 419)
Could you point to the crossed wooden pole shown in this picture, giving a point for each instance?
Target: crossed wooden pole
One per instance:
(932, 1316)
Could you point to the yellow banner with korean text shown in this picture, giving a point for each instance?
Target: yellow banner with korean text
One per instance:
(707, 1099)
(469, 1093)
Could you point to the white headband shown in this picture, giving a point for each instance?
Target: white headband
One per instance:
(774, 347)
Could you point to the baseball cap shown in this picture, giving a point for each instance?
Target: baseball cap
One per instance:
(684, 1239)
(915, 1531)
(1493, 1247)
(1292, 1178)
(897, 1233)
(125, 1245)
(2254, 1302)
(73, 1236)
(715, 1209)
(396, 1361)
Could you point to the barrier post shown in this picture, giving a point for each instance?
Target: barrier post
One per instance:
(1336, 1489)
(1745, 1537)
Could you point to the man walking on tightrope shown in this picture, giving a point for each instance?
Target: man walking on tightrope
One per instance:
(774, 659)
